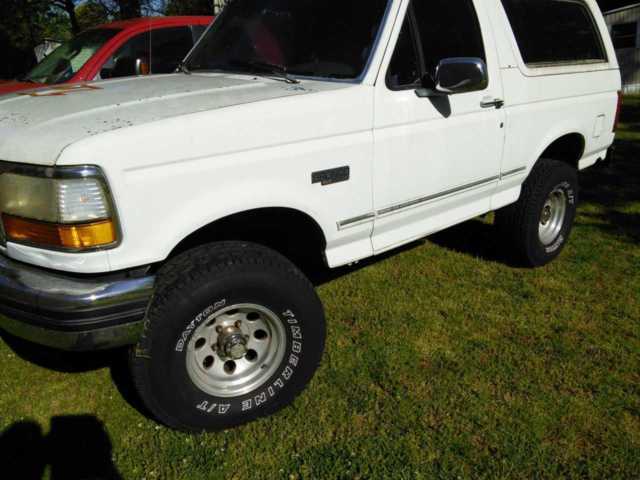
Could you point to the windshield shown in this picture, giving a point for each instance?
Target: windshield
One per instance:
(316, 38)
(65, 61)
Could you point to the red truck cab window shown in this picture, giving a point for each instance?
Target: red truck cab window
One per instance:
(125, 48)
(71, 57)
(154, 52)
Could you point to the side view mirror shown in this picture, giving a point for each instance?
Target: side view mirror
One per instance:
(457, 75)
(129, 67)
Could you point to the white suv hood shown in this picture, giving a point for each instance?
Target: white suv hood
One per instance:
(36, 126)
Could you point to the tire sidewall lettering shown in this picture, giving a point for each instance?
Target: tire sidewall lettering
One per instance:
(559, 243)
(185, 336)
(569, 191)
(556, 245)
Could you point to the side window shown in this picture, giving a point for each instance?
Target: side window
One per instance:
(130, 59)
(169, 46)
(624, 35)
(404, 70)
(554, 31)
(447, 29)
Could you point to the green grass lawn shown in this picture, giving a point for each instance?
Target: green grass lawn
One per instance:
(442, 361)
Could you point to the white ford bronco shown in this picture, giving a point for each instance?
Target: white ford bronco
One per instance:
(174, 214)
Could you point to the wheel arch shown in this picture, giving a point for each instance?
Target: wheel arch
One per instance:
(568, 148)
(289, 231)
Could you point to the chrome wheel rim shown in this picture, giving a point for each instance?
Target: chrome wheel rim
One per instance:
(552, 217)
(236, 350)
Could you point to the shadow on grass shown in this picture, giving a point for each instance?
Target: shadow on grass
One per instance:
(56, 360)
(320, 274)
(76, 447)
(630, 114)
(71, 362)
(613, 190)
(478, 239)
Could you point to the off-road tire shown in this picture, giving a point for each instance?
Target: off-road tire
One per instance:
(519, 224)
(193, 287)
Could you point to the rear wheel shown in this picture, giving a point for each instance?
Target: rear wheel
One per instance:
(235, 331)
(537, 227)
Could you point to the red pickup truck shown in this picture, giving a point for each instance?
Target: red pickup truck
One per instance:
(131, 47)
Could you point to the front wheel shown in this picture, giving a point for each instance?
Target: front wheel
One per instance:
(235, 331)
(537, 227)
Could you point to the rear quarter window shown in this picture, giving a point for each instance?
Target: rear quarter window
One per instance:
(551, 32)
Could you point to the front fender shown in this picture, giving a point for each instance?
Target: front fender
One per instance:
(228, 201)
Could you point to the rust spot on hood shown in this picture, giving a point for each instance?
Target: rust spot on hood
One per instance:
(61, 90)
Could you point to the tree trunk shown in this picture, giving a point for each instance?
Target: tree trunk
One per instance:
(70, 8)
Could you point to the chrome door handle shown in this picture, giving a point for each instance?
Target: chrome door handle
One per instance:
(492, 103)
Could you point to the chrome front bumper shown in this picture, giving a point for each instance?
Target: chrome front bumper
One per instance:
(75, 313)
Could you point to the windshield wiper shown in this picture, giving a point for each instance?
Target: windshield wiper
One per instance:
(267, 68)
(182, 67)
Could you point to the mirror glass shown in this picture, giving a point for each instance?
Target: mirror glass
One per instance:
(460, 75)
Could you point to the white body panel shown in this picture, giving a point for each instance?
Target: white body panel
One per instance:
(437, 160)
(546, 103)
(181, 152)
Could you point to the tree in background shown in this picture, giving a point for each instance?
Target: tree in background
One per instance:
(130, 8)
(22, 26)
(189, 7)
(122, 9)
(92, 13)
(69, 7)
(194, 7)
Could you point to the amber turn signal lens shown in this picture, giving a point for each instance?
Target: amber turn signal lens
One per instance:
(73, 237)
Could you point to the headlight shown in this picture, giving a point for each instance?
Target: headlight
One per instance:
(67, 208)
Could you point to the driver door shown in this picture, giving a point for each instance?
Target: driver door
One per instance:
(437, 159)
